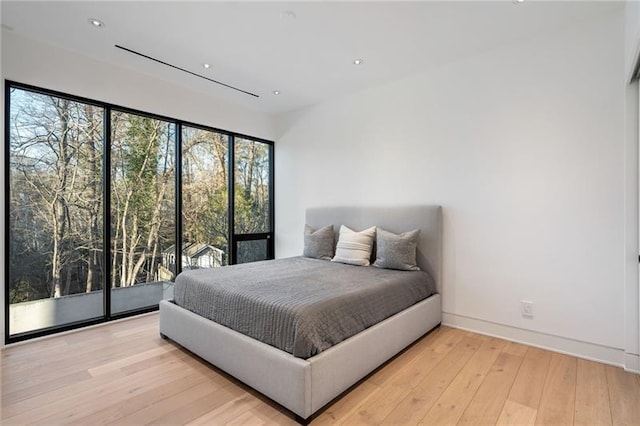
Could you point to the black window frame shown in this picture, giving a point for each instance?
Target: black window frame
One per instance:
(239, 237)
(108, 108)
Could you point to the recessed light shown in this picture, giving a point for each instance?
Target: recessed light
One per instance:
(96, 22)
(207, 66)
(276, 92)
(358, 62)
(288, 15)
(518, 1)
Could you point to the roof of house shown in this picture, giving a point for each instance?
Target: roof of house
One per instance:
(192, 249)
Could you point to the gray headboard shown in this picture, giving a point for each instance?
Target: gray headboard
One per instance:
(397, 219)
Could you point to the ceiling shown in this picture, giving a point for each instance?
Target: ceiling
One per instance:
(305, 50)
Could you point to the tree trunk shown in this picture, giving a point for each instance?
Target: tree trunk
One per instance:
(95, 185)
(133, 244)
(60, 210)
(123, 266)
(89, 286)
(151, 274)
(135, 270)
(220, 149)
(114, 248)
(154, 230)
(249, 174)
(55, 268)
(67, 285)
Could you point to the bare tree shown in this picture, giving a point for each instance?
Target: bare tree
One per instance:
(142, 176)
(51, 177)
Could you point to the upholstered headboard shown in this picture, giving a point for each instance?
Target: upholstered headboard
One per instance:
(428, 218)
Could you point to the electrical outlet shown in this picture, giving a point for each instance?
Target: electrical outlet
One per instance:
(527, 308)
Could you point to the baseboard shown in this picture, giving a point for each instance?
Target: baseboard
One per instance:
(580, 349)
(632, 363)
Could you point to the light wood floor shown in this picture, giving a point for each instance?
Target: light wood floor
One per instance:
(124, 373)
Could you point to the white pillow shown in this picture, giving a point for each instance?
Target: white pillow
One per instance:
(354, 247)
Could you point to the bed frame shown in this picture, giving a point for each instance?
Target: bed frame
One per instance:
(306, 385)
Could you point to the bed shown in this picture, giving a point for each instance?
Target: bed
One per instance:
(306, 385)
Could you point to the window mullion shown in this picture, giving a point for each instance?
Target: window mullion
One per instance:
(231, 192)
(106, 221)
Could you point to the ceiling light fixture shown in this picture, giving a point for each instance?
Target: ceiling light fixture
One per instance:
(358, 62)
(276, 92)
(207, 66)
(96, 23)
(518, 1)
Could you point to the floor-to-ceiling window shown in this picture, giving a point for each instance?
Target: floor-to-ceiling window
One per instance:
(102, 197)
(142, 199)
(205, 198)
(54, 211)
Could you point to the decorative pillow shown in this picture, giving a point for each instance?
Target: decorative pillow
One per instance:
(318, 243)
(397, 251)
(354, 247)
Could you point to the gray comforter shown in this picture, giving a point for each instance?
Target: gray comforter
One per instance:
(300, 305)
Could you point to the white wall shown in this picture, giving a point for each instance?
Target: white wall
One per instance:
(525, 149)
(632, 293)
(31, 62)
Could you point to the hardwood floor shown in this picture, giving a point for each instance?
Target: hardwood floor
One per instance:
(124, 373)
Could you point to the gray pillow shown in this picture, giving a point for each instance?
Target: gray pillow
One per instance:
(318, 243)
(397, 251)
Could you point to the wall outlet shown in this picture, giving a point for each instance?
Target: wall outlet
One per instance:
(527, 308)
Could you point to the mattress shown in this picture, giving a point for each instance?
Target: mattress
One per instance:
(300, 305)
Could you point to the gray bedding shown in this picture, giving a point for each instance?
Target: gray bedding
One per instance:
(300, 305)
